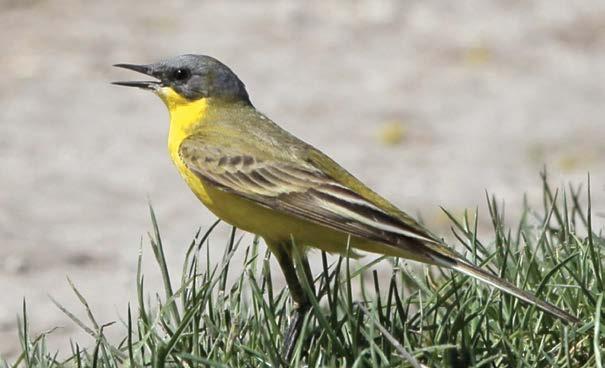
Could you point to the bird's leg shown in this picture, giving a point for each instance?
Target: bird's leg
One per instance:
(299, 296)
(306, 268)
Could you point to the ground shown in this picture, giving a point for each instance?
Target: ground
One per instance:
(430, 103)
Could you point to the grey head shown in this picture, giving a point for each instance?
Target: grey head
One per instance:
(191, 76)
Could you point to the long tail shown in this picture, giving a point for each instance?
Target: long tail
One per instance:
(507, 287)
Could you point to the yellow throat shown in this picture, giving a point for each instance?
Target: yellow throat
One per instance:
(185, 115)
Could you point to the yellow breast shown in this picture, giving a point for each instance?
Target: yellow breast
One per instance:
(185, 115)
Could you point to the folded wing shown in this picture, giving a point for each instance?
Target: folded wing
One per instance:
(300, 189)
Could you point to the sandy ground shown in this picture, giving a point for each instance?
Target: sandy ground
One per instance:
(484, 93)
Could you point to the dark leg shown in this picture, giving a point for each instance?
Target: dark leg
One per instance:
(301, 302)
(307, 270)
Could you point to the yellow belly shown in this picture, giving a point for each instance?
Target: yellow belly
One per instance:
(276, 227)
(273, 226)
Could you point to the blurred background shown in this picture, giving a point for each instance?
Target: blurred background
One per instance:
(431, 103)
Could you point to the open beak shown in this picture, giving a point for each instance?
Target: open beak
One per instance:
(144, 69)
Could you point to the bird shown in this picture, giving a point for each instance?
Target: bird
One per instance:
(256, 176)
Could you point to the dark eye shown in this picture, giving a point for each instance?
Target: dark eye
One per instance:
(181, 74)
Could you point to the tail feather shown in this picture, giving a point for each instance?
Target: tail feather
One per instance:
(507, 287)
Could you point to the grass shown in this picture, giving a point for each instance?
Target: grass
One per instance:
(408, 319)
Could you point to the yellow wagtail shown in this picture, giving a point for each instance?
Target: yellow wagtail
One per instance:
(256, 176)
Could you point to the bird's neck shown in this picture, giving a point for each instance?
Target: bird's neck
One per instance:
(185, 114)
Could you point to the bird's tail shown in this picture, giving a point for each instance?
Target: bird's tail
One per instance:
(474, 271)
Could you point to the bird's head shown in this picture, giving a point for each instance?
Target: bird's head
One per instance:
(189, 78)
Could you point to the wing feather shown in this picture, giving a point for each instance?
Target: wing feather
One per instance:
(297, 189)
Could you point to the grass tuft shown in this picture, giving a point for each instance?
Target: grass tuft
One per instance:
(405, 320)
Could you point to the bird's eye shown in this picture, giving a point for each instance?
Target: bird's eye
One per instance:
(181, 74)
